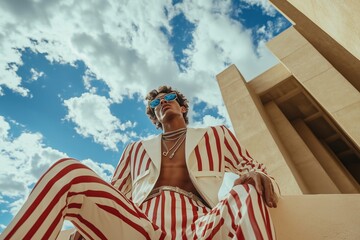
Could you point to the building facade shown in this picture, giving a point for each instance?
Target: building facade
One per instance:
(302, 118)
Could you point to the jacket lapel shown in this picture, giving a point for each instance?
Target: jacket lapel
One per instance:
(153, 149)
(193, 136)
(153, 146)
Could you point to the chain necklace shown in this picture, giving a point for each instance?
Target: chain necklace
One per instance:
(178, 136)
(174, 133)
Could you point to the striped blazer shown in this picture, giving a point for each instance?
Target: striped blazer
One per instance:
(209, 152)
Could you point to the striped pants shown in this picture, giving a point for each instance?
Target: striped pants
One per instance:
(70, 190)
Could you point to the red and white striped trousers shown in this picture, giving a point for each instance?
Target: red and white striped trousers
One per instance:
(70, 190)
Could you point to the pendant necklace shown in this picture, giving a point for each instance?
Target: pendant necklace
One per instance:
(178, 136)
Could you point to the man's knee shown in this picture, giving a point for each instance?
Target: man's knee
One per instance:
(64, 162)
(66, 165)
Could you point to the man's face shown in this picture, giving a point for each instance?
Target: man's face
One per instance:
(167, 110)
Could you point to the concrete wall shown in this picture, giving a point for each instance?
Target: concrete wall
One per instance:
(302, 216)
(330, 217)
(338, 18)
(335, 170)
(314, 178)
(331, 90)
(332, 27)
(255, 131)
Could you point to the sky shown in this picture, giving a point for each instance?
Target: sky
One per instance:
(74, 75)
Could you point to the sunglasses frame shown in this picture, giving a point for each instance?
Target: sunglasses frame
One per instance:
(163, 97)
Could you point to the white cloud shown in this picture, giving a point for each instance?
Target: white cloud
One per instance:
(2, 201)
(35, 75)
(209, 120)
(122, 44)
(93, 118)
(265, 5)
(104, 170)
(24, 159)
(220, 40)
(16, 205)
(115, 39)
(267, 31)
(4, 128)
(10, 60)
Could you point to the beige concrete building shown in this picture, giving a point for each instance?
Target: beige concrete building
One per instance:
(302, 118)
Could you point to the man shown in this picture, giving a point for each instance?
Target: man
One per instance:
(163, 188)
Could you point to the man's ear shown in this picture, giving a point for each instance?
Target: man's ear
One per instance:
(183, 109)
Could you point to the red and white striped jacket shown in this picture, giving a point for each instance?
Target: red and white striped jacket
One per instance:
(209, 152)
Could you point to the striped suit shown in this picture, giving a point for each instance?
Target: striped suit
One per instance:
(69, 190)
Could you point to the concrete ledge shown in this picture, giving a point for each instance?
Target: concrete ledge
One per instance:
(321, 216)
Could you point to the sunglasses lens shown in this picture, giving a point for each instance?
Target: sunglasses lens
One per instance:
(154, 103)
(170, 97)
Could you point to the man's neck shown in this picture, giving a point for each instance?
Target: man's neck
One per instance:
(172, 126)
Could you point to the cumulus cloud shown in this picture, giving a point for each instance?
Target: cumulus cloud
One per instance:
(209, 120)
(24, 159)
(104, 170)
(92, 117)
(115, 39)
(124, 45)
(4, 128)
(266, 32)
(218, 40)
(265, 5)
(2, 201)
(35, 75)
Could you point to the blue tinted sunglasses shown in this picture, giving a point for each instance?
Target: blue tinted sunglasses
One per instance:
(168, 97)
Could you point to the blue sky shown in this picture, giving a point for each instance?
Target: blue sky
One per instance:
(74, 75)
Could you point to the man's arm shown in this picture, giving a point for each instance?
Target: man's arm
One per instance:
(239, 161)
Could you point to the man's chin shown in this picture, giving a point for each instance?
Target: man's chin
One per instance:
(165, 111)
(168, 115)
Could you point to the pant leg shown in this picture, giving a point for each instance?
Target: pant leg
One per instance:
(70, 190)
(172, 212)
(241, 214)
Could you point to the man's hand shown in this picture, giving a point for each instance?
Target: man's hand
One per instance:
(262, 185)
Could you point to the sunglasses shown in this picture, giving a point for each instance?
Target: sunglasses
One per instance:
(168, 97)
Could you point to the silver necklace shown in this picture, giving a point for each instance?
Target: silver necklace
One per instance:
(174, 133)
(178, 135)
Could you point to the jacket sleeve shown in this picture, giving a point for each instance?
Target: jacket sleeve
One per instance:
(237, 158)
(121, 179)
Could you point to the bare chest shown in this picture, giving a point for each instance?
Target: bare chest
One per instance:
(174, 171)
